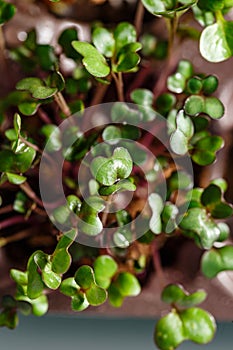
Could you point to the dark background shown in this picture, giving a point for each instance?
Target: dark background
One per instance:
(58, 332)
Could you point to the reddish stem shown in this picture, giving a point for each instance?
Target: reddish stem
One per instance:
(139, 17)
(157, 265)
(148, 138)
(12, 221)
(140, 78)
(31, 194)
(6, 209)
(43, 116)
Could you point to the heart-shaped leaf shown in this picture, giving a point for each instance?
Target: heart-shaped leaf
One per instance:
(37, 88)
(211, 5)
(211, 106)
(112, 134)
(169, 332)
(85, 277)
(40, 305)
(104, 41)
(123, 217)
(120, 240)
(179, 139)
(96, 295)
(108, 170)
(69, 287)
(176, 83)
(219, 33)
(224, 231)
(126, 62)
(114, 296)
(46, 57)
(194, 85)
(43, 92)
(28, 107)
(198, 325)
(210, 84)
(29, 84)
(128, 284)
(9, 319)
(24, 307)
(121, 112)
(20, 203)
(124, 34)
(142, 97)
(16, 179)
(61, 259)
(197, 220)
(175, 294)
(7, 11)
(65, 40)
(74, 204)
(212, 199)
(62, 215)
(169, 215)
(217, 260)
(157, 205)
(35, 284)
(93, 61)
(53, 137)
(205, 149)
(122, 185)
(19, 277)
(105, 268)
(50, 278)
(79, 302)
(205, 18)
(167, 8)
(192, 324)
(90, 223)
(56, 80)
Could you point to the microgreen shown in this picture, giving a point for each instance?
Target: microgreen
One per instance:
(170, 99)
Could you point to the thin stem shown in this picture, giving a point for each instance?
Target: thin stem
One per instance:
(40, 211)
(157, 265)
(139, 17)
(219, 17)
(149, 137)
(172, 24)
(6, 209)
(104, 221)
(37, 149)
(62, 104)
(2, 50)
(119, 85)
(29, 144)
(12, 221)
(140, 78)
(31, 194)
(99, 94)
(106, 212)
(43, 116)
(16, 237)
